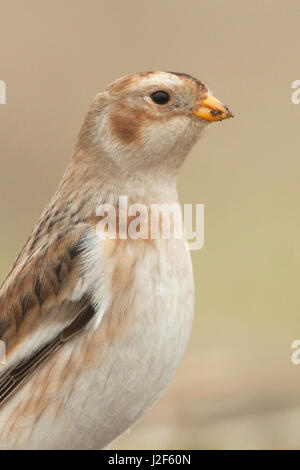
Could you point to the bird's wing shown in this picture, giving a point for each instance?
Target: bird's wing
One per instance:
(42, 305)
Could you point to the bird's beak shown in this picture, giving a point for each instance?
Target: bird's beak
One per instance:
(212, 110)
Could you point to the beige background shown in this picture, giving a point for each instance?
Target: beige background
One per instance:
(237, 387)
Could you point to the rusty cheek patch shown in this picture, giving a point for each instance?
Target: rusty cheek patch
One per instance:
(126, 124)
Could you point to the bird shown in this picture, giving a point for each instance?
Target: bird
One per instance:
(95, 327)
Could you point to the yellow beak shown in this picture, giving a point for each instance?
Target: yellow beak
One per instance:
(212, 110)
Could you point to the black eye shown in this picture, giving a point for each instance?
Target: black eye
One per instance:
(160, 97)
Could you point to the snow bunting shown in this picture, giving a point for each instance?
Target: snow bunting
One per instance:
(95, 327)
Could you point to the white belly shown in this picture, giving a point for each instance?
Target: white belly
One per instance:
(133, 354)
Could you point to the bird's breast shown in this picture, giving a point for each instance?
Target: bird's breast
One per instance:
(145, 324)
(107, 377)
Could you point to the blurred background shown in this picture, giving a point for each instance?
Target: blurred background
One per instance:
(237, 387)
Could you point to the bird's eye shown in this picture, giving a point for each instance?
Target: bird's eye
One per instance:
(160, 97)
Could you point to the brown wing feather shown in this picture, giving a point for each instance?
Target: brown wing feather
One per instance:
(39, 286)
(17, 376)
(35, 297)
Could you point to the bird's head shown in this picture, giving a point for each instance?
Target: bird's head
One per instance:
(149, 121)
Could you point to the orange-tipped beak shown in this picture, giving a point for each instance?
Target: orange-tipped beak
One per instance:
(212, 110)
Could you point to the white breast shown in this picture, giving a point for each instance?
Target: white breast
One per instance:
(144, 298)
(153, 299)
